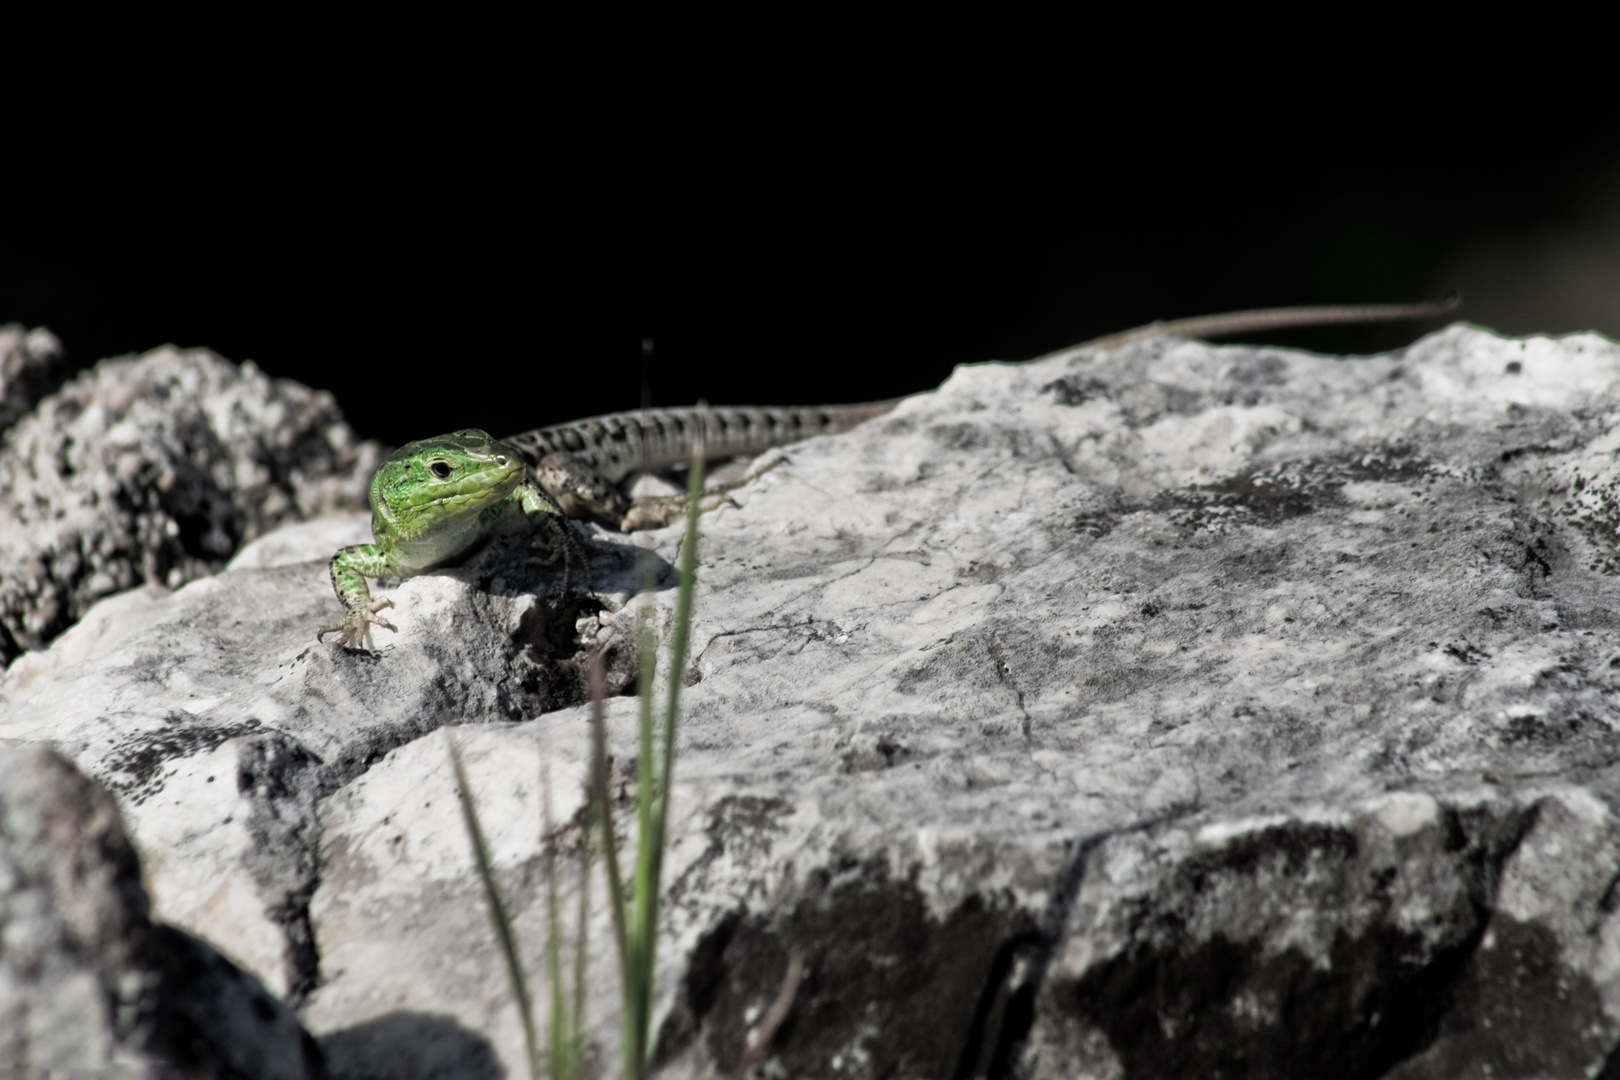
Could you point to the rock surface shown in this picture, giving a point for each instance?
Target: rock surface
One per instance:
(86, 979)
(154, 470)
(1176, 711)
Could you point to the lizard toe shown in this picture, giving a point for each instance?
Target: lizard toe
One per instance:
(354, 632)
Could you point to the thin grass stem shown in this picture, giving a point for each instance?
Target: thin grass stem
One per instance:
(500, 915)
(610, 850)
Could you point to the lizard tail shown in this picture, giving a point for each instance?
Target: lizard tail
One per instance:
(618, 444)
(1248, 322)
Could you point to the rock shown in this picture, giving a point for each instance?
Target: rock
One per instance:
(221, 724)
(1178, 710)
(87, 981)
(71, 914)
(398, 883)
(154, 470)
(32, 364)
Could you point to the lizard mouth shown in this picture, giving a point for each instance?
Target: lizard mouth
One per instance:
(482, 487)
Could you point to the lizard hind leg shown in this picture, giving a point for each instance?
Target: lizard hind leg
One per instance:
(579, 491)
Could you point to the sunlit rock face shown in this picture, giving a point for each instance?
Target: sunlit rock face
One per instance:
(1175, 711)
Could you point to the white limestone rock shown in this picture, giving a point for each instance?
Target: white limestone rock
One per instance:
(1170, 711)
(220, 722)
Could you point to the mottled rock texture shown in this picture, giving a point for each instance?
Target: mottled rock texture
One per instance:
(1174, 711)
(154, 470)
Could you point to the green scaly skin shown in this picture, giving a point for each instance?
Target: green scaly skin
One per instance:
(432, 502)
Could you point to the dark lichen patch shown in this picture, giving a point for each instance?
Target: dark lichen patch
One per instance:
(1571, 727)
(1223, 1008)
(1075, 389)
(1248, 499)
(870, 753)
(1592, 508)
(889, 990)
(1516, 1010)
(1465, 653)
(134, 766)
(960, 436)
(1199, 987)
(1095, 523)
(1391, 465)
(1276, 493)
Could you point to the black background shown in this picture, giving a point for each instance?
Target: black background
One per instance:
(488, 244)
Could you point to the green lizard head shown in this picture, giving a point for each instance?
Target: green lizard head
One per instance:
(433, 482)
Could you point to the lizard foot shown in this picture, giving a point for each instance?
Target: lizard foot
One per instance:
(355, 629)
(661, 510)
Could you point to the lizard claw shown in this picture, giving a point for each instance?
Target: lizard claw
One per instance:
(355, 629)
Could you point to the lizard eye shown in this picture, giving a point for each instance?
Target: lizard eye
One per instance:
(440, 469)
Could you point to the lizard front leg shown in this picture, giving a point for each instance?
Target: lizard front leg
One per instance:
(349, 569)
(554, 538)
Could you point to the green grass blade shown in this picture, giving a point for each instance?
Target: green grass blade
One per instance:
(593, 800)
(633, 987)
(636, 991)
(657, 781)
(610, 851)
(581, 946)
(561, 1047)
(500, 915)
(566, 1048)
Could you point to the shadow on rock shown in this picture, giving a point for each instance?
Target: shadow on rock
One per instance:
(211, 1018)
(410, 1046)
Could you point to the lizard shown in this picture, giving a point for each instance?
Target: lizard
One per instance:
(435, 500)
